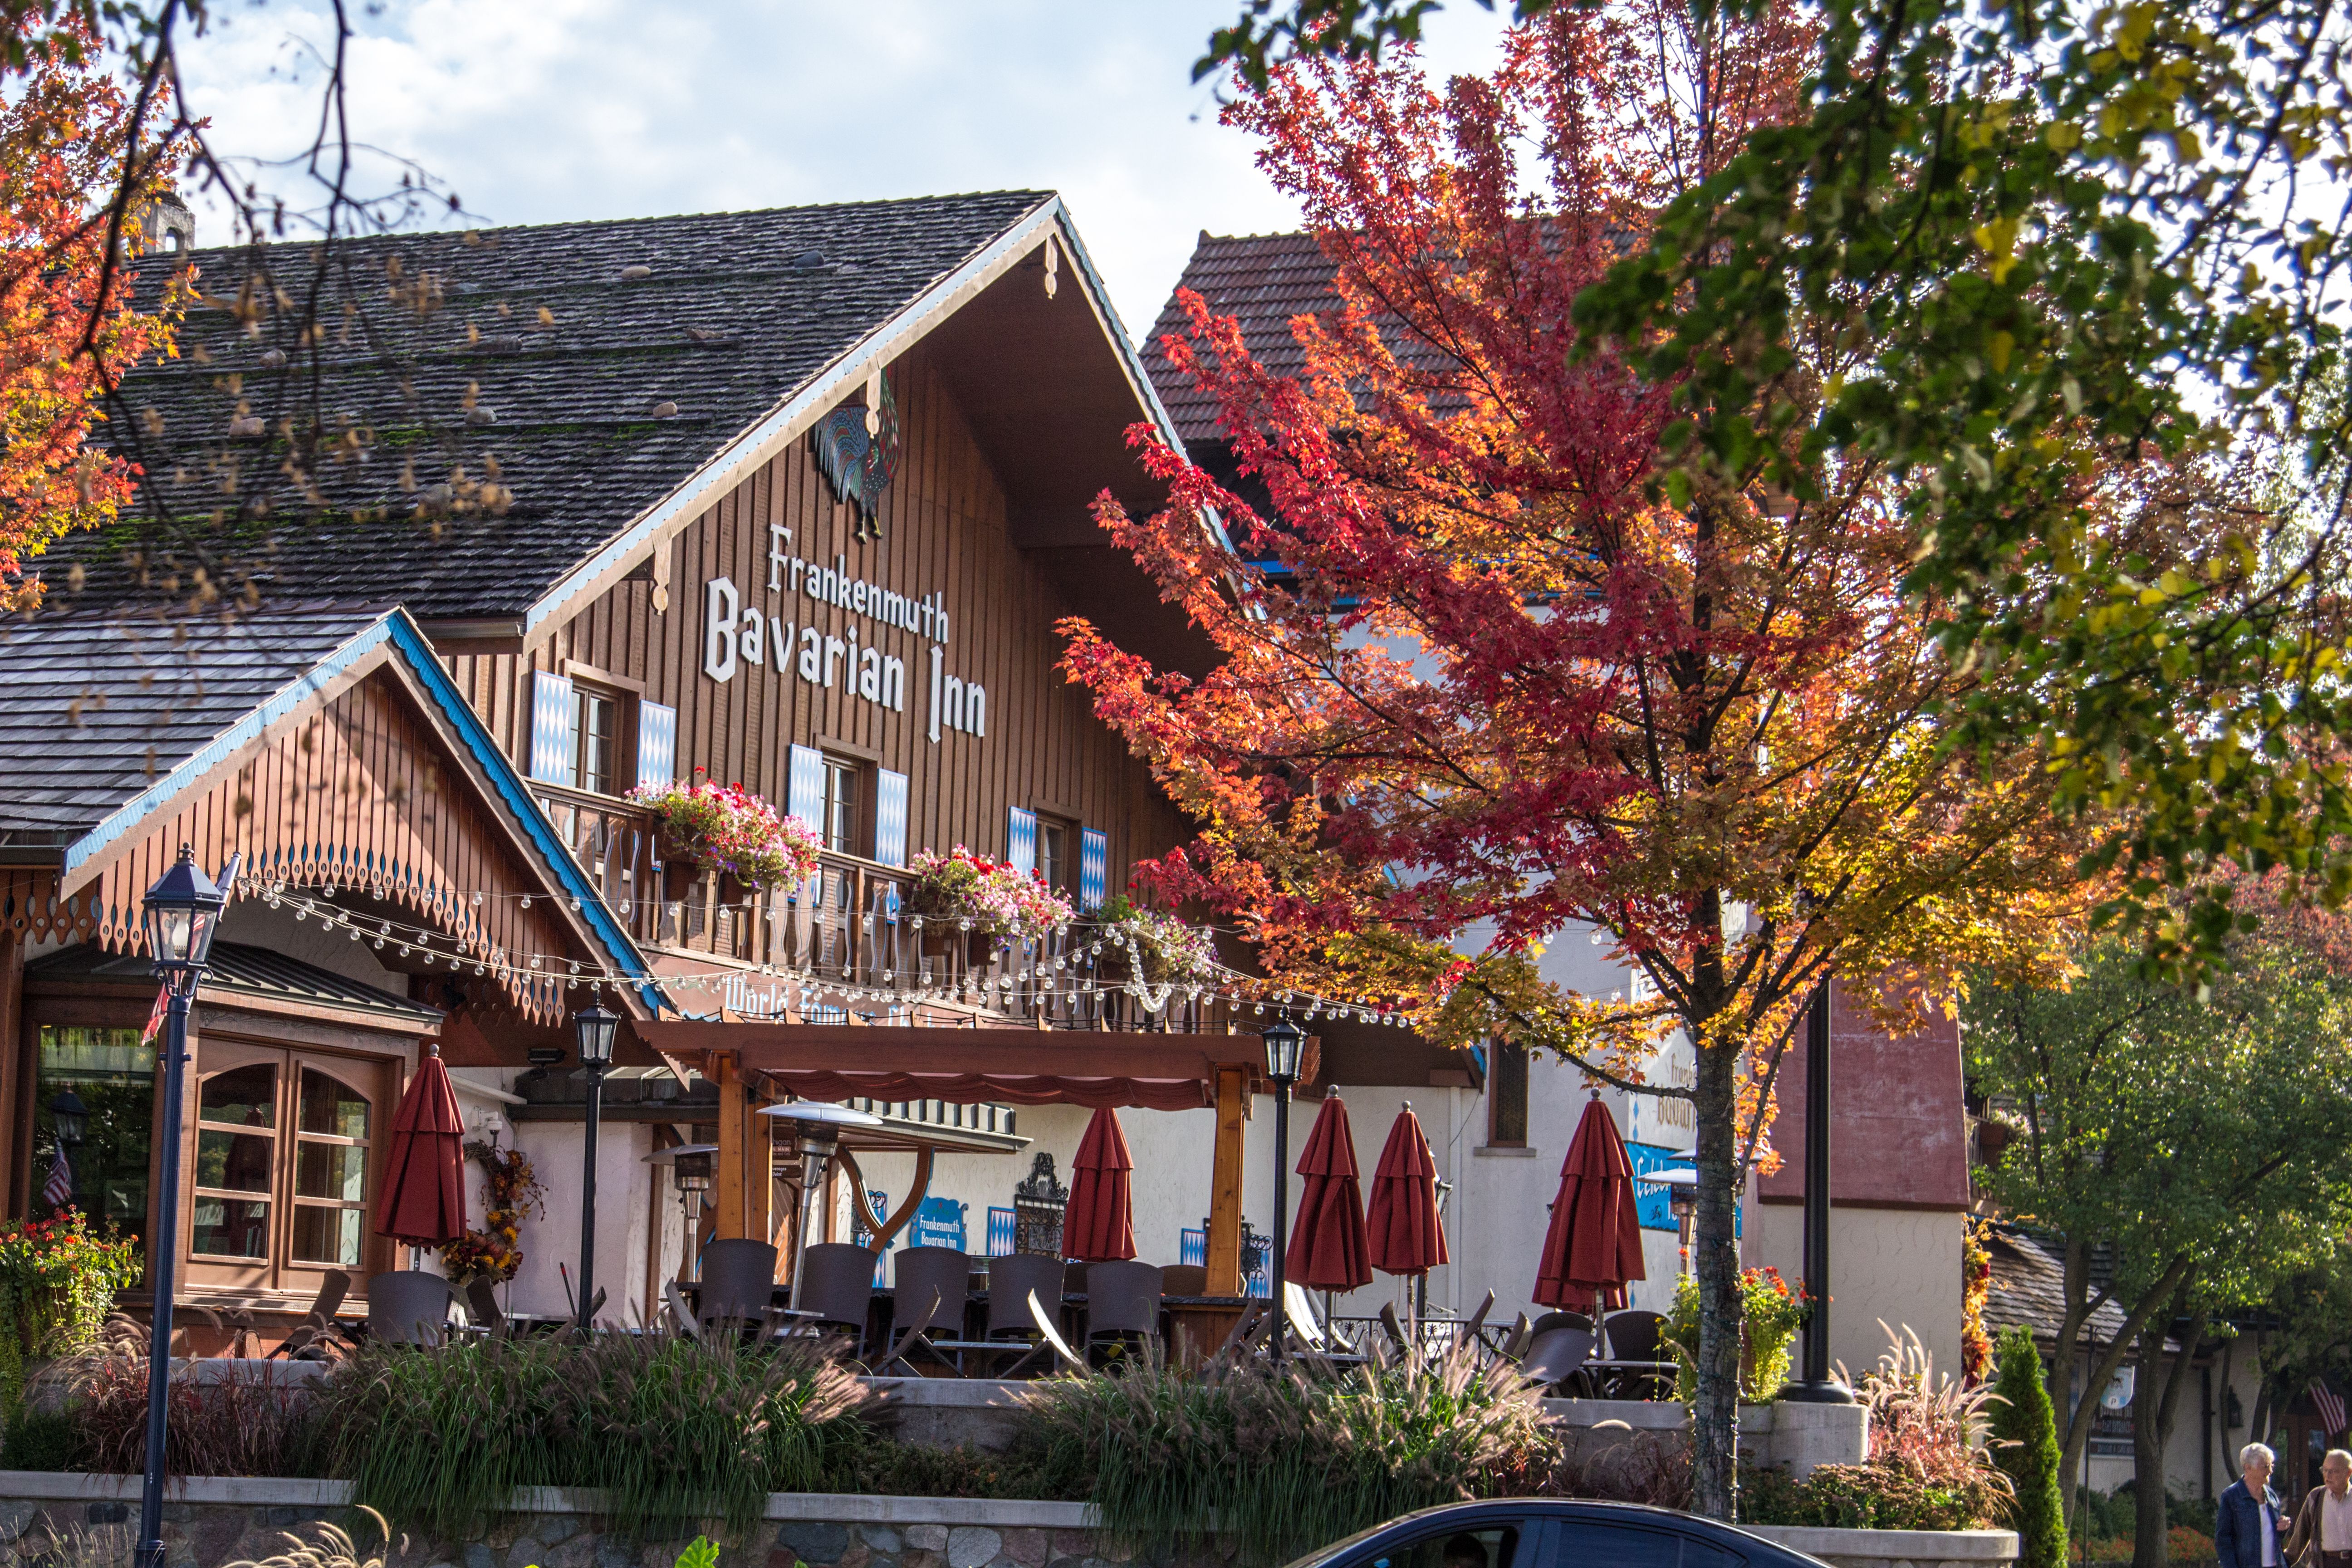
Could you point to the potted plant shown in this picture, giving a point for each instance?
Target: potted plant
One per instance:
(1141, 941)
(727, 829)
(968, 901)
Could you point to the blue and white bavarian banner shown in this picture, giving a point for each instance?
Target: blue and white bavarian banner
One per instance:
(1020, 839)
(805, 796)
(1094, 867)
(889, 818)
(657, 744)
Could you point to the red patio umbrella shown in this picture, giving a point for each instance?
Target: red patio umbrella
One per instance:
(1099, 1226)
(423, 1197)
(1327, 1251)
(1407, 1235)
(1595, 1245)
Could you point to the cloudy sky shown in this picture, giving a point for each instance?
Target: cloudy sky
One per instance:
(538, 110)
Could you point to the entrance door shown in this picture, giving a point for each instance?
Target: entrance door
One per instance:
(285, 1151)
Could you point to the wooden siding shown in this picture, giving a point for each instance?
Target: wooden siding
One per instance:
(356, 794)
(944, 530)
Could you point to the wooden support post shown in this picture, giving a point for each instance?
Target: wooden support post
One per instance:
(758, 1165)
(1225, 1240)
(727, 1191)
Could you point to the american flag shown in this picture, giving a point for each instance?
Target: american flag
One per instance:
(57, 1190)
(2329, 1405)
(155, 1019)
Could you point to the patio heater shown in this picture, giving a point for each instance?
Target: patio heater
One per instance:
(690, 1169)
(1284, 1040)
(593, 1027)
(818, 1128)
(182, 915)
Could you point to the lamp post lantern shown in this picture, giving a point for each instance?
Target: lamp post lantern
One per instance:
(181, 915)
(1283, 1042)
(593, 1028)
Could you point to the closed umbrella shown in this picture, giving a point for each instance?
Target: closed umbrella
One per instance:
(423, 1197)
(1327, 1252)
(1407, 1237)
(1099, 1226)
(1595, 1245)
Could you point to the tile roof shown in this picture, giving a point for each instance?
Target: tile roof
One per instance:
(661, 340)
(237, 967)
(1260, 279)
(95, 707)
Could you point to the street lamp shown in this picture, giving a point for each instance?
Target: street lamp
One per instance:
(1283, 1043)
(593, 1028)
(1817, 1387)
(181, 914)
(72, 1117)
(1682, 1197)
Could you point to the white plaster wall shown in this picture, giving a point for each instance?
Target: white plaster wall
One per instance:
(1897, 1267)
(622, 1203)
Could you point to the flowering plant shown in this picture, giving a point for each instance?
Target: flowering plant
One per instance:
(996, 897)
(728, 828)
(1164, 947)
(1770, 1313)
(57, 1285)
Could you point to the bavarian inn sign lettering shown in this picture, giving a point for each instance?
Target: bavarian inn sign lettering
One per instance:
(734, 632)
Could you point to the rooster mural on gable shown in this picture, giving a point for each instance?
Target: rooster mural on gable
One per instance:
(857, 449)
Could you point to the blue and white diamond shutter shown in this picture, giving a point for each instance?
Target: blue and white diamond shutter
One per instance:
(1094, 867)
(806, 798)
(889, 818)
(1020, 839)
(657, 744)
(551, 727)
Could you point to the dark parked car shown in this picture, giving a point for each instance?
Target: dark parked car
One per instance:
(1547, 1533)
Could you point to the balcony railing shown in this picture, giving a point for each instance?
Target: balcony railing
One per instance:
(845, 940)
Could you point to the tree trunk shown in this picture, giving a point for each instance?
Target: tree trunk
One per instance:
(2154, 1413)
(1714, 1408)
(2077, 1431)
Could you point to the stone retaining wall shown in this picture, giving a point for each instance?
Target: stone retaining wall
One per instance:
(211, 1520)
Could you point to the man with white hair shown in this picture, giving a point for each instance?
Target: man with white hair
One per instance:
(2246, 1531)
(2321, 1537)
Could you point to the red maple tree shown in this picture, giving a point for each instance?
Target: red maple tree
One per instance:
(68, 328)
(1499, 687)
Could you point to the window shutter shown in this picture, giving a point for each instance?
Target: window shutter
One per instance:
(889, 818)
(551, 727)
(657, 744)
(806, 798)
(1020, 839)
(1094, 867)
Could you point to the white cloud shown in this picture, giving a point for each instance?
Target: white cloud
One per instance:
(560, 110)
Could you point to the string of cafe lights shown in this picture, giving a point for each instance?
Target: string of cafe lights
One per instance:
(1029, 979)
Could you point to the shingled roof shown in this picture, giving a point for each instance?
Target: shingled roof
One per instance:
(518, 396)
(95, 708)
(1262, 280)
(2029, 1291)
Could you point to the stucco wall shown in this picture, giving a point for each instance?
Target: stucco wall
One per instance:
(1901, 1266)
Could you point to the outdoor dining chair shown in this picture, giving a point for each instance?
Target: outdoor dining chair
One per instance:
(482, 1305)
(932, 1288)
(1559, 1346)
(1640, 1369)
(304, 1340)
(1043, 1319)
(1122, 1302)
(408, 1307)
(1011, 1331)
(837, 1287)
(739, 1280)
(1184, 1279)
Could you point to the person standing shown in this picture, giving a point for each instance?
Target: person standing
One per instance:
(2246, 1532)
(2322, 1536)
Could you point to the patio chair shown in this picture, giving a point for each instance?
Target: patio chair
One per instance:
(681, 1312)
(1559, 1346)
(1394, 1329)
(837, 1287)
(1515, 1343)
(307, 1339)
(933, 1284)
(1184, 1279)
(739, 1280)
(408, 1307)
(1122, 1303)
(1011, 1330)
(1073, 1279)
(1043, 1322)
(1636, 1338)
(482, 1305)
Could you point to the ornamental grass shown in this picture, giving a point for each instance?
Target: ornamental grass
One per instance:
(677, 1430)
(1281, 1462)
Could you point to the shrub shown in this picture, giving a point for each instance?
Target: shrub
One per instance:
(864, 1462)
(2025, 1445)
(1286, 1460)
(57, 1282)
(41, 1440)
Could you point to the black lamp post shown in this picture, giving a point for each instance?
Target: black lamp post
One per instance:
(1283, 1041)
(594, 1028)
(1817, 1387)
(181, 914)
